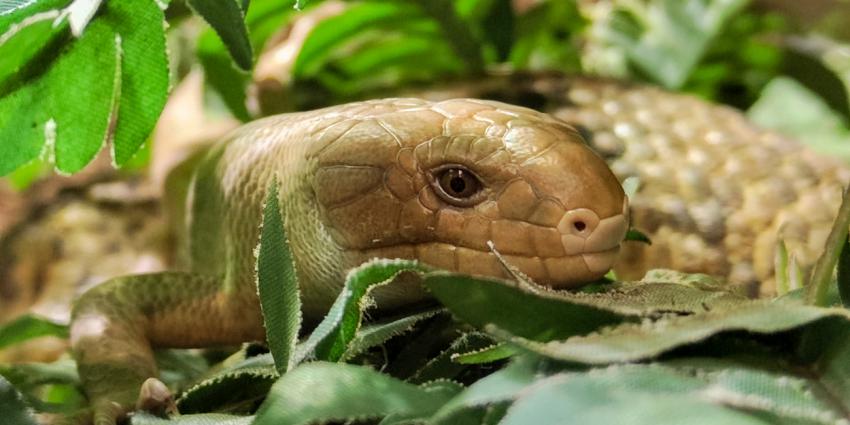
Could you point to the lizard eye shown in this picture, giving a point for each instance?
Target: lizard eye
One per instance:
(457, 185)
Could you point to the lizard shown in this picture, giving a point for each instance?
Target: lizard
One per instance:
(395, 178)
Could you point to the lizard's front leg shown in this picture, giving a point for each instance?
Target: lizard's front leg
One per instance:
(116, 325)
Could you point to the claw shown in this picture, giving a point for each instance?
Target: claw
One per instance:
(156, 399)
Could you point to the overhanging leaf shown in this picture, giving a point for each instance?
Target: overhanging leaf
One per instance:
(277, 283)
(227, 18)
(144, 75)
(125, 92)
(25, 40)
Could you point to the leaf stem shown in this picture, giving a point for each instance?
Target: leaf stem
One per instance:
(818, 286)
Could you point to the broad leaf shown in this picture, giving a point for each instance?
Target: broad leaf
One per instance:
(621, 395)
(633, 342)
(321, 392)
(277, 283)
(120, 60)
(544, 315)
(790, 108)
(202, 419)
(665, 39)
(24, 41)
(144, 76)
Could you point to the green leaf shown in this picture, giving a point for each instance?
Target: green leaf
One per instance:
(321, 392)
(28, 327)
(665, 39)
(29, 376)
(495, 388)
(244, 382)
(542, 315)
(227, 18)
(25, 40)
(120, 60)
(489, 354)
(336, 30)
(144, 72)
(12, 407)
(47, 110)
(621, 395)
(142, 418)
(443, 366)
(264, 18)
(844, 273)
(379, 333)
(634, 342)
(637, 236)
(277, 283)
(790, 108)
(14, 11)
(332, 336)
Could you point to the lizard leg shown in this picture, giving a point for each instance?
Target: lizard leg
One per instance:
(116, 325)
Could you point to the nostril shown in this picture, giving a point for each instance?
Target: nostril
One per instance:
(580, 225)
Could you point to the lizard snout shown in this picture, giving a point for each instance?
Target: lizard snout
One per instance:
(596, 240)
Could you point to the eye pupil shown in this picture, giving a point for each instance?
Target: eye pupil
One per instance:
(457, 184)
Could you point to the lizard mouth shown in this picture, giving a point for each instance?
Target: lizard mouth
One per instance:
(585, 248)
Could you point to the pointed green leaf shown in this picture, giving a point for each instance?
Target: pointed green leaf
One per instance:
(227, 18)
(28, 327)
(379, 333)
(321, 392)
(334, 31)
(443, 366)
(498, 387)
(277, 283)
(144, 72)
(244, 382)
(331, 338)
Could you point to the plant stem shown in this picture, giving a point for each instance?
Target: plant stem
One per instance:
(818, 286)
(457, 32)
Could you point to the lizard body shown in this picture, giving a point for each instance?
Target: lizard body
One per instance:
(395, 178)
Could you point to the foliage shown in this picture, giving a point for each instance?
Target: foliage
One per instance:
(673, 347)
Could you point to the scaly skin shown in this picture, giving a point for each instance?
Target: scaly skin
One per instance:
(357, 181)
(716, 194)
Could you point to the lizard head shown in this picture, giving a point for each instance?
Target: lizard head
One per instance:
(448, 183)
